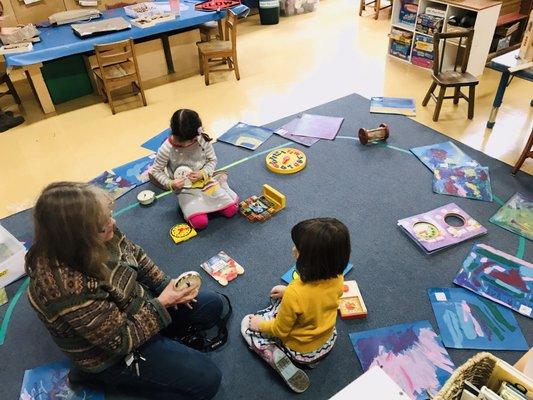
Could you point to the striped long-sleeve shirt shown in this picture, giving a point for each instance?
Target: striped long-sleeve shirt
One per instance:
(96, 323)
(200, 156)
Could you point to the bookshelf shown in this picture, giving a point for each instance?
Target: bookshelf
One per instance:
(413, 24)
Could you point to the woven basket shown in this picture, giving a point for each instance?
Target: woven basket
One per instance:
(476, 370)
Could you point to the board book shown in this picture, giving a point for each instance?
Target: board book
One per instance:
(222, 268)
(441, 228)
(351, 304)
(262, 208)
(393, 105)
(247, 136)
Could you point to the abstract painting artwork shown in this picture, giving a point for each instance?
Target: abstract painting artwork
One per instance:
(287, 131)
(498, 276)
(136, 171)
(411, 354)
(469, 182)
(469, 321)
(318, 126)
(50, 382)
(516, 216)
(441, 155)
(115, 185)
(247, 136)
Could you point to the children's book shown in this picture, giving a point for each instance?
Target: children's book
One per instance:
(12, 253)
(443, 155)
(117, 186)
(468, 182)
(222, 268)
(289, 276)
(468, 321)
(351, 304)
(3, 296)
(318, 126)
(287, 132)
(498, 276)
(411, 354)
(516, 216)
(50, 382)
(155, 143)
(136, 171)
(393, 105)
(441, 228)
(247, 136)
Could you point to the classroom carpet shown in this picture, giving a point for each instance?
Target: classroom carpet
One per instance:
(367, 187)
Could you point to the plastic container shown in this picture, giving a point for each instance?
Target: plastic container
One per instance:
(269, 12)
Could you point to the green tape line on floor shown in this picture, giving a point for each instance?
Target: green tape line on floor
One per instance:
(10, 308)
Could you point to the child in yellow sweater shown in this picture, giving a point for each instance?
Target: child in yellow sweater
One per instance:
(301, 327)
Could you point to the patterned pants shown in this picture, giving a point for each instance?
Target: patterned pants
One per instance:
(262, 344)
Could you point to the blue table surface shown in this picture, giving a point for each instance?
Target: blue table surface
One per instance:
(61, 41)
(508, 60)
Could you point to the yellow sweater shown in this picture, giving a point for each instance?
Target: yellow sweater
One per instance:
(307, 314)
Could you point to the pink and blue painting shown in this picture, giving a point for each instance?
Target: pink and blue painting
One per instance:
(136, 171)
(443, 155)
(411, 354)
(499, 277)
(115, 185)
(247, 136)
(468, 321)
(468, 182)
(49, 382)
(516, 215)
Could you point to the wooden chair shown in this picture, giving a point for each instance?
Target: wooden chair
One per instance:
(377, 7)
(4, 78)
(456, 78)
(211, 30)
(527, 153)
(217, 50)
(117, 68)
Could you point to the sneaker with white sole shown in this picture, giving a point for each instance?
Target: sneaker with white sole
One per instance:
(295, 378)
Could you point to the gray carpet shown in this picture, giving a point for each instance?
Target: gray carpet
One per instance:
(369, 188)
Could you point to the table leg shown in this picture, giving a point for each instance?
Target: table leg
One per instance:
(35, 77)
(168, 53)
(504, 81)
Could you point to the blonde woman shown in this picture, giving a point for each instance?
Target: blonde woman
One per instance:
(108, 307)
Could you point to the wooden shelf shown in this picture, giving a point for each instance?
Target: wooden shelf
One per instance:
(510, 18)
(404, 26)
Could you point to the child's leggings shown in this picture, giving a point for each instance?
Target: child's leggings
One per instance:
(200, 221)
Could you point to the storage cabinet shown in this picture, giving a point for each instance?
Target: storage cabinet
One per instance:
(413, 24)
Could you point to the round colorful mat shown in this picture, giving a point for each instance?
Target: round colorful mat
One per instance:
(286, 160)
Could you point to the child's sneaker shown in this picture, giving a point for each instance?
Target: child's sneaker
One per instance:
(297, 379)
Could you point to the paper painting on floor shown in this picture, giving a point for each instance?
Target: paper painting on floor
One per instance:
(318, 126)
(411, 354)
(287, 131)
(247, 136)
(469, 182)
(136, 171)
(50, 382)
(155, 143)
(498, 276)
(115, 185)
(516, 216)
(442, 155)
(469, 321)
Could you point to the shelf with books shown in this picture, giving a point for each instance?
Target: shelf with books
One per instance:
(422, 52)
(400, 43)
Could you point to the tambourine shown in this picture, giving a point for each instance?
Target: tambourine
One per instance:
(189, 279)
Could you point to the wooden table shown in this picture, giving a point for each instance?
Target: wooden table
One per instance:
(60, 41)
(502, 64)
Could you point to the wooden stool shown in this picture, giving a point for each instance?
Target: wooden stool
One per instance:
(527, 153)
(377, 7)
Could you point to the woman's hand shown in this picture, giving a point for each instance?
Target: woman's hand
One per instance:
(195, 176)
(255, 320)
(278, 291)
(177, 184)
(171, 297)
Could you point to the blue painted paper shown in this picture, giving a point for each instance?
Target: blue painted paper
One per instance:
(291, 273)
(468, 321)
(443, 155)
(115, 185)
(411, 354)
(49, 382)
(155, 143)
(468, 182)
(499, 277)
(136, 171)
(247, 136)
(516, 215)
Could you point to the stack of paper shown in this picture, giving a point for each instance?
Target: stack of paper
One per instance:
(309, 129)
(12, 254)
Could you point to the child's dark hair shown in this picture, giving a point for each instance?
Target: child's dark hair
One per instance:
(185, 125)
(324, 248)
